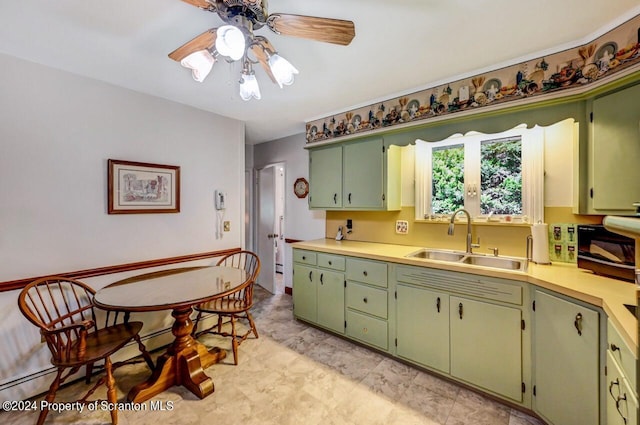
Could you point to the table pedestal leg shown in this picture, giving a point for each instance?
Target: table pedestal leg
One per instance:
(182, 364)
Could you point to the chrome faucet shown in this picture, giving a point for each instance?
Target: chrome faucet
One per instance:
(470, 245)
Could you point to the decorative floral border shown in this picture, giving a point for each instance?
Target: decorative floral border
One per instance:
(616, 50)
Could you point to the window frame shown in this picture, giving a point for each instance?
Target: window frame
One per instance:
(532, 143)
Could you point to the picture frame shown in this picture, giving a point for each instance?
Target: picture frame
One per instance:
(142, 188)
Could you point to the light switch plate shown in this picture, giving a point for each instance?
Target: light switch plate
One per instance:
(402, 227)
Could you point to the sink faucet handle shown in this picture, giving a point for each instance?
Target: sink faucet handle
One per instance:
(495, 251)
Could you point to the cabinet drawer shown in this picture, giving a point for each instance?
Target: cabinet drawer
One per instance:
(367, 329)
(622, 353)
(304, 257)
(329, 261)
(371, 272)
(367, 299)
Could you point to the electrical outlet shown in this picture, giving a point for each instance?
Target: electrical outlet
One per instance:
(402, 227)
(226, 226)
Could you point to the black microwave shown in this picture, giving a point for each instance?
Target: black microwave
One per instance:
(606, 253)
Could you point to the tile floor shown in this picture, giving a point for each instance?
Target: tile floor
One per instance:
(296, 374)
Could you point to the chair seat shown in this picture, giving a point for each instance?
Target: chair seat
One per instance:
(102, 343)
(224, 305)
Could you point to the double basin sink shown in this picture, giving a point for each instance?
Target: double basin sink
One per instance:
(502, 263)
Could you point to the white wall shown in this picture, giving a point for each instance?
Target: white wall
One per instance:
(301, 222)
(57, 131)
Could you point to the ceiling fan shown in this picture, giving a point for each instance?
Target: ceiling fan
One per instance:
(235, 39)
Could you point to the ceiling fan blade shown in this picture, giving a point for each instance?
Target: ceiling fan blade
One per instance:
(336, 31)
(202, 4)
(262, 56)
(204, 41)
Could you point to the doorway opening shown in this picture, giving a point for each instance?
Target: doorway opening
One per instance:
(270, 201)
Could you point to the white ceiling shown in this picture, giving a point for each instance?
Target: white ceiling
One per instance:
(400, 46)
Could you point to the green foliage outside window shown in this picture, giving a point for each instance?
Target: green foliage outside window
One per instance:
(447, 179)
(501, 177)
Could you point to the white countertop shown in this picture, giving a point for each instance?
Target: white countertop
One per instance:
(567, 279)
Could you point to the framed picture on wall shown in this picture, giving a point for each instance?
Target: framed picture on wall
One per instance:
(141, 188)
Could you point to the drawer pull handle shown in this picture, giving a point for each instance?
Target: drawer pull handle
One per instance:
(578, 323)
(365, 273)
(311, 276)
(623, 397)
(335, 198)
(365, 300)
(349, 198)
(321, 276)
(438, 304)
(611, 384)
(460, 310)
(614, 347)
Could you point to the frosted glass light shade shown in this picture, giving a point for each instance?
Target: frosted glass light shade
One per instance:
(200, 64)
(230, 41)
(249, 87)
(282, 70)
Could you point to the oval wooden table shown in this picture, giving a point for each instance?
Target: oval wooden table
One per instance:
(179, 290)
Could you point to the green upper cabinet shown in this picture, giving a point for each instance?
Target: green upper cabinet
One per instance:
(615, 152)
(325, 173)
(358, 175)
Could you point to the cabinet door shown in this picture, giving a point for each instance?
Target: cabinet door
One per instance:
(616, 150)
(565, 349)
(325, 175)
(486, 346)
(331, 300)
(304, 292)
(422, 320)
(363, 169)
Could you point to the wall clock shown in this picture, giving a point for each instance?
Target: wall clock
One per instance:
(301, 187)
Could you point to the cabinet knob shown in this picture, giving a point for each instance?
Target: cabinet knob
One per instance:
(329, 262)
(304, 258)
(365, 273)
(365, 300)
(614, 347)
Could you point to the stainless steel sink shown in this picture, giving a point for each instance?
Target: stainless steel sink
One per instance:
(494, 262)
(435, 254)
(503, 263)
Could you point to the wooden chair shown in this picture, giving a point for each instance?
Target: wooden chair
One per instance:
(235, 305)
(63, 310)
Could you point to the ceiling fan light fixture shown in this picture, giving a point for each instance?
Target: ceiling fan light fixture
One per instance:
(249, 87)
(230, 42)
(200, 63)
(282, 70)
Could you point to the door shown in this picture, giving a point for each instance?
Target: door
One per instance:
(325, 176)
(423, 326)
(486, 345)
(363, 170)
(267, 236)
(566, 358)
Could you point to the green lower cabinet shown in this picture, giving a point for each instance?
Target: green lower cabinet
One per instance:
(422, 326)
(304, 292)
(368, 329)
(486, 346)
(330, 313)
(566, 358)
